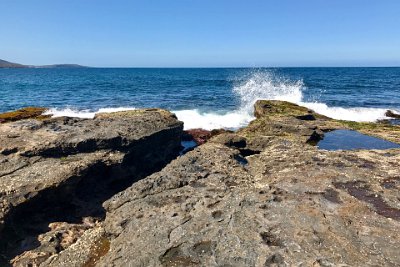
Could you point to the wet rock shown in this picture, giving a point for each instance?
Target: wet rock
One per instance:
(200, 136)
(391, 114)
(284, 120)
(308, 117)
(24, 113)
(361, 191)
(263, 108)
(315, 137)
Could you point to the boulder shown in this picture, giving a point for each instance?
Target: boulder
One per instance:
(391, 114)
(200, 136)
(281, 119)
(63, 169)
(24, 113)
(263, 108)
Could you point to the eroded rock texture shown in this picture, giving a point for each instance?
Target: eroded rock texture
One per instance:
(289, 205)
(63, 169)
(260, 197)
(263, 196)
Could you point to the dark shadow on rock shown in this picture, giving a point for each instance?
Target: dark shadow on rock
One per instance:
(82, 195)
(360, 191)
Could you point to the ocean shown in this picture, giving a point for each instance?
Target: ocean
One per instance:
(203, 97)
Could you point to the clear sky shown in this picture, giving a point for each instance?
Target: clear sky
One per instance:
(201, 33)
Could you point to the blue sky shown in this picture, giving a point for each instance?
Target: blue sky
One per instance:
(202, 33)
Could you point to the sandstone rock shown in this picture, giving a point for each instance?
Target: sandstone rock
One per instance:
(24, 113)
(288, 121)
(284, 204)
(262, 196)
(60, 237)
(85, 252)
(289, 205)
(61, 170)
(264, 108)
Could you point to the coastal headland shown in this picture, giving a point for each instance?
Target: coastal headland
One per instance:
(12, 65)
(117, 190)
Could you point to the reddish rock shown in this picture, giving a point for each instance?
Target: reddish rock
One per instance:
(200, 136)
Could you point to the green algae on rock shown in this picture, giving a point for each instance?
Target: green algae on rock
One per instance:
(24, 113)
(293, 122)
(284, 207)
(261, 196)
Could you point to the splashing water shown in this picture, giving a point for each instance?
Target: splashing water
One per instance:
(266, 85)
(256, 86)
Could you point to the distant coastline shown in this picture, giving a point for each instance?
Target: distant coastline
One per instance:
(10, 65)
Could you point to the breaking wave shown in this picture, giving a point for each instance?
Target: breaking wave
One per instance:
(265, 85)
(83, 113)
(258, 85)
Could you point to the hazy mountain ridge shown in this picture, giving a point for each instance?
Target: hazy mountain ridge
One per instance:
(7, 64)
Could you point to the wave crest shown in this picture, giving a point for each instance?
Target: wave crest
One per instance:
(83, 113)
(230, 120)
(266, 85)
(257, 86)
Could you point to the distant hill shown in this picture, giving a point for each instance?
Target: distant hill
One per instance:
(61, 66)
(6, 64)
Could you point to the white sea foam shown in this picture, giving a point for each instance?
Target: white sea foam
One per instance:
(85, 113)
(359, 114)
(265, 85)
(259, 85)
(231, 120)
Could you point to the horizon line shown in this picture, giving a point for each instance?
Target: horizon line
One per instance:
(233, 67)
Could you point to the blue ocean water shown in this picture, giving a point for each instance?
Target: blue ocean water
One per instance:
(208, 97)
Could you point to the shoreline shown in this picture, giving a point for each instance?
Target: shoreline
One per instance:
(79, 191)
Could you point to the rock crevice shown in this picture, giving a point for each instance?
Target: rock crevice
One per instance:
(264, 195)
(63, 169)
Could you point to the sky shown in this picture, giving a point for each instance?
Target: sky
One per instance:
(201, 33)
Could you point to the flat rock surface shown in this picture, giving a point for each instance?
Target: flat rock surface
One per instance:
(262, 196)
(288, 206)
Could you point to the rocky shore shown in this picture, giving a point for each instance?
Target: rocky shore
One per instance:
(115, 191)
